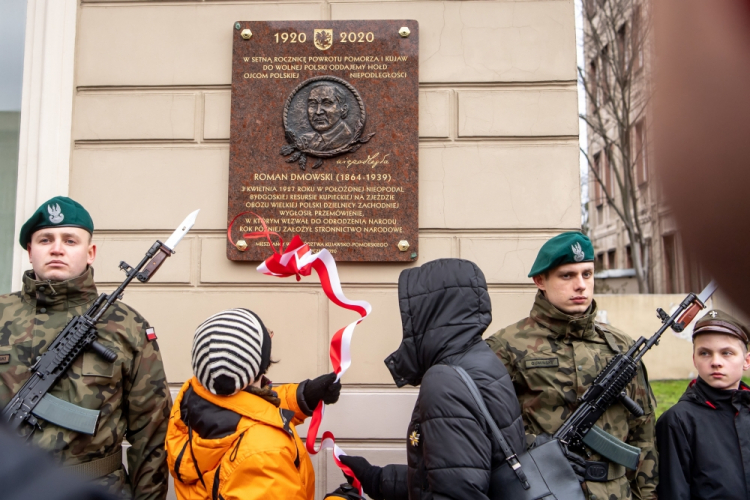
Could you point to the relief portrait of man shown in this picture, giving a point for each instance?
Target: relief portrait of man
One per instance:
(327, 110)
(323, 117)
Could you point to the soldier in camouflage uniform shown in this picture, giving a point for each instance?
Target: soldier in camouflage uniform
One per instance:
(131, 393)
(554, 355)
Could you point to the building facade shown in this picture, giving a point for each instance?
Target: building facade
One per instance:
(126, 109)
(618, 74)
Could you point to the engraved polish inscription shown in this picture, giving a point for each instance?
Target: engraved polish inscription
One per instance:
(324, 138)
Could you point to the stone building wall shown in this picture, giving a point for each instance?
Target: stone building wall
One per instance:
(498, 175)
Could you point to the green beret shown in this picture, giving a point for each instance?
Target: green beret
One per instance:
(565, 248)
(60, 211)
(720, 322)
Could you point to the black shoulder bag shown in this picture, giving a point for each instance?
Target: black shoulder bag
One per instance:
(542, 473)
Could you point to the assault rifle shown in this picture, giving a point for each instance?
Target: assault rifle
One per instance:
(33, 400)
(609, 388)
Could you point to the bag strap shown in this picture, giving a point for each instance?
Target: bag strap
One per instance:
(510, 455)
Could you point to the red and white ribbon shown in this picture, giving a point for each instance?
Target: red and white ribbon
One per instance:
(298, 260)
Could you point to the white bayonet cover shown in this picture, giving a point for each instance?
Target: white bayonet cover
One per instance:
(181, 230)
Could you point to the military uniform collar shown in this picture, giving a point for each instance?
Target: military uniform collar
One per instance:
(60, 295)
(561, 324)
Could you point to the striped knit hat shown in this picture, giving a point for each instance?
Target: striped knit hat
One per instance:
(230, 350)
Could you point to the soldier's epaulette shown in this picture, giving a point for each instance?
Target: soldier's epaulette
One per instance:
(622, 339)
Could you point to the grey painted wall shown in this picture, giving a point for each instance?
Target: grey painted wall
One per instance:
(12, 28)
(10, 122)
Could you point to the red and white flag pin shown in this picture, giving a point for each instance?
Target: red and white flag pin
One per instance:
(150, 333)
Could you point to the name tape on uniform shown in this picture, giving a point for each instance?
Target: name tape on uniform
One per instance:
(542, 363)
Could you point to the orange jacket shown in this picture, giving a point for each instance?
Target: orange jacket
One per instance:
(237, 447)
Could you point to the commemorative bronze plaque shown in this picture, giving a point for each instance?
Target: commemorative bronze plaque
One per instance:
(324, 137)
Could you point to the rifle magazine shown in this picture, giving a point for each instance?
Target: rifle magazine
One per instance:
(612, 448)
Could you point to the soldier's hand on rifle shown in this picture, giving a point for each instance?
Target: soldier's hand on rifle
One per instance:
(576, 461)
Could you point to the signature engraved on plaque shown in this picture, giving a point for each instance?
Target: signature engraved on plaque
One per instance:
(323, 39)
(323, 117)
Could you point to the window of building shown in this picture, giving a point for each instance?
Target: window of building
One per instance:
(604, 74)
(695, 277)
(607, 172)
(598, 198)
(628, 258)
(636, 37)
(612, 259)
(641, 153)
(594, 84)
(622, 49)
(670, 264)
(599, 262)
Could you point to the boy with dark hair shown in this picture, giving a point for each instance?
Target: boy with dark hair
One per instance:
(704, 440)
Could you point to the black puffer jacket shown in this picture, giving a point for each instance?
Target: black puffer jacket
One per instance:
(704, 445)
(445, 308)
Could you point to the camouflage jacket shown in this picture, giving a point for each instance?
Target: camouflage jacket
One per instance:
(131, 393)
(552, 359)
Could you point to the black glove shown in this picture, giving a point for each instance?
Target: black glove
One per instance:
(321, 389)
(576, 461)
(346, 491)
(368, 475)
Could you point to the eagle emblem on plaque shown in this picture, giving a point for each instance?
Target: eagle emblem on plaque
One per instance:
(323, 39)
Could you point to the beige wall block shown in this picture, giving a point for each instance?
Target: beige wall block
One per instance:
(180, 44)
(499, 186)
(636, 316)
(112, 250)
(484, 41)
(380, 413)
(176, 313)
(135, 116)
(381, 333)
(513, 113)
(509, 306)
(216, 113)
(505, 259)
(127, 188)
(374, 339)
(216, 268)
(434, 113)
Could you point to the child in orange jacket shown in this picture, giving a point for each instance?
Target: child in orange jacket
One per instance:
(231, 435)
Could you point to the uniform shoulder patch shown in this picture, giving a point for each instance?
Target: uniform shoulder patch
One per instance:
(150, 333)
(4, 359)
(542, 363)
